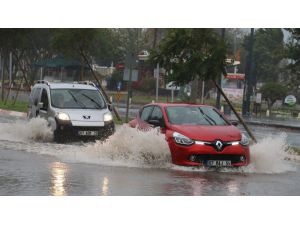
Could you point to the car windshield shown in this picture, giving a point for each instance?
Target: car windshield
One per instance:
(195, 115)
(77, 99)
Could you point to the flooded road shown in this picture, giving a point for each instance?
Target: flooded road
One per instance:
(132, 163)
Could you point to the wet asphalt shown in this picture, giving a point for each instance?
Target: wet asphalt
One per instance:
(26, 173)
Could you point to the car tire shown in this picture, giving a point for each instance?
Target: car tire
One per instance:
(58, 136)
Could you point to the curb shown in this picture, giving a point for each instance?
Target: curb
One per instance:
(12, 113)
(276, 125)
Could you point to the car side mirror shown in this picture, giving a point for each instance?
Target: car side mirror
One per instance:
(40, 105)
(155, 123)
(110, 107)
(234, 122)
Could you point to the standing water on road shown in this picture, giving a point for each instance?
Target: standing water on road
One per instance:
(130, 148)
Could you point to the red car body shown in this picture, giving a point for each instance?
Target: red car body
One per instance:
(208, 145)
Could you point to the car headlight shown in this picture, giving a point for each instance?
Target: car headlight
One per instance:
(63, 116)
(181, 139)
(107, 117)
(245, 140)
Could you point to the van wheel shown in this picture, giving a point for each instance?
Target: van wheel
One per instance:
(58, 136)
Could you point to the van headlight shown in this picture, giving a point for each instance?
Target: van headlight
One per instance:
(107, 117)
(181, 139)
(245, 140)
(63, 116)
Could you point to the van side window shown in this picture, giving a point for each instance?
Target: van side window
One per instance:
(44, 100)
(36, 96)
(145, 113)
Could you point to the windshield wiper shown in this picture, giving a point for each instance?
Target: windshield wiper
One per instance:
(99, 106)
(76, 100)
(208, 118)
(221, 116)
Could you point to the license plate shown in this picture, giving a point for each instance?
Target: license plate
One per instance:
(218, 163)
(87, 133)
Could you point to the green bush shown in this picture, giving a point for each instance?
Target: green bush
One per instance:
(147, 84)
(273, 91)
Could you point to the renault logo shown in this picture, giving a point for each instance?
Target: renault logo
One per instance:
(86, 117)
(219, 145)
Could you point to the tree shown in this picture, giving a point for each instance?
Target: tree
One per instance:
(191, 55)
(268, 51)
(273, 91)
(293, 56)
(91, 44)
(27, 47)
(187, 54)
(236, 49)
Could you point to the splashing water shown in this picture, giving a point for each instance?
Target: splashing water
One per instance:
(24, 130)
(132, 148)
(268, 155)
(127, 147)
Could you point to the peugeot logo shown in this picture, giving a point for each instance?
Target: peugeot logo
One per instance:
(86, 117)
(219, 145)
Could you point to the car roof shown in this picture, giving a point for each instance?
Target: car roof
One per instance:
(53, 85)
(166, 104)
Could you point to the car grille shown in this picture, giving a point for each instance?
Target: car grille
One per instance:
(226, 157)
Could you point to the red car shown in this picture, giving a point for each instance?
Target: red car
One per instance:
(198, 135)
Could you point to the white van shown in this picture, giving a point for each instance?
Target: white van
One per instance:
(73, 110)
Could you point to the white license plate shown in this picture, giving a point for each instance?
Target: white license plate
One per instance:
(87, 133)
(218, 163)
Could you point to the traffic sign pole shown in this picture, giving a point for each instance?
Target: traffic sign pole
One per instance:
(157, 81)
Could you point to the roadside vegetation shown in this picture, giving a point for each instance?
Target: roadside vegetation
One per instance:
(294, 150)
(19, 106)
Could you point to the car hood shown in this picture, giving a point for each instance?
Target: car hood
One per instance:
(209, 133)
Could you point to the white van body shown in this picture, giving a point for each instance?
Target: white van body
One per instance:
(72, 110)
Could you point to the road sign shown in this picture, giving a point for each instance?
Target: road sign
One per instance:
(134, 76)
(118, 96)
(144, 55)
(235, 76)
(120, 66)
(171, 86)
(161, 71)
(290, 100)
(258, 98)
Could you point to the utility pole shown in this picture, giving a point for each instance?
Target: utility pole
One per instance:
(2, 76)
(219, 81)
(10, 69)
(157, 81)
(202, 92)
(248, 89)
(41, 74)
(133, 35)
(129, 86)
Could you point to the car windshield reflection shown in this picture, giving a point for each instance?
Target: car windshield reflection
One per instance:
(77, 99)
(195, 115)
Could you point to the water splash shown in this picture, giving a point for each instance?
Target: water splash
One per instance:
(132, 148)
(269, 154)
(127, 147)
(23, 130)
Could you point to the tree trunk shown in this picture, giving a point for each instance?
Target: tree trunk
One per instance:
(2, 82)
(194, 93)
(81, 69)
(154, 37)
